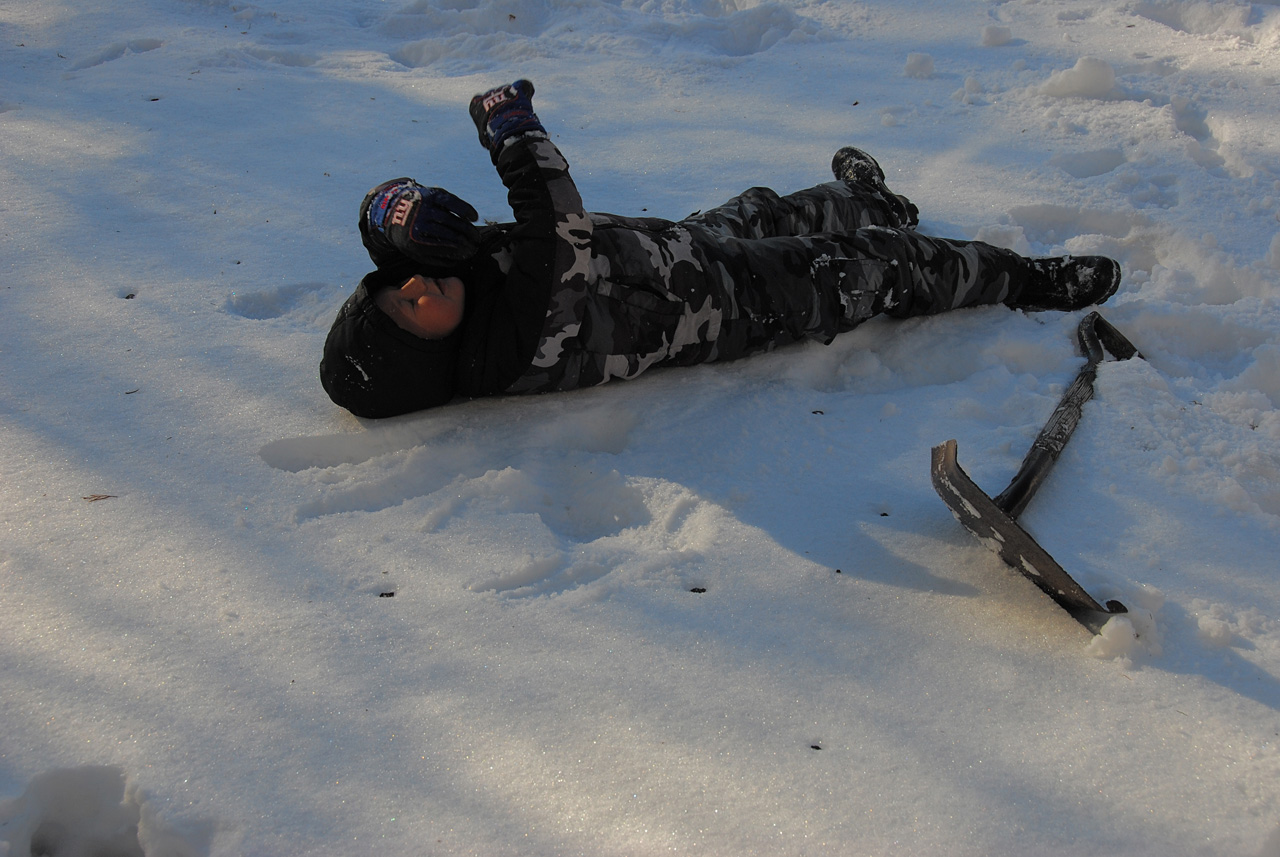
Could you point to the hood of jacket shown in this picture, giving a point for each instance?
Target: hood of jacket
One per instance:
(373, 368)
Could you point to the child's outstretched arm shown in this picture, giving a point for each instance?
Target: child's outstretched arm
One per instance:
(540, 307)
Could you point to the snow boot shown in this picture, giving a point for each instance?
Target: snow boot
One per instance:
(856, 168)
(1068, 283)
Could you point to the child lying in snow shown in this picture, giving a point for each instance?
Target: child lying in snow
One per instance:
(562, 299)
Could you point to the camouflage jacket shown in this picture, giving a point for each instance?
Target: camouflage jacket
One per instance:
(566, 299)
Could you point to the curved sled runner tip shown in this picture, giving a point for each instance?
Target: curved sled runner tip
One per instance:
(994, 528)
(994, 521)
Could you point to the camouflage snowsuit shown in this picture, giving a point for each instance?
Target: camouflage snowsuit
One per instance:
(759, 271)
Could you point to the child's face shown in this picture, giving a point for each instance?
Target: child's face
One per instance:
(425, 306)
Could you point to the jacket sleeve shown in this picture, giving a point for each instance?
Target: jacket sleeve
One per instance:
(519, 329)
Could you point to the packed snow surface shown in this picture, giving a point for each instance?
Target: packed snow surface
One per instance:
(715, 611)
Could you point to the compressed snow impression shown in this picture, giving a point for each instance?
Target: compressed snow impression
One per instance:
(83, 812)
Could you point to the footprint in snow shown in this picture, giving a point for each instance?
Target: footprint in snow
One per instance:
(116, 51)
(85, 811)
(278, 301)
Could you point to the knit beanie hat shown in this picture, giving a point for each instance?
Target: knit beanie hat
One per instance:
(373, 368)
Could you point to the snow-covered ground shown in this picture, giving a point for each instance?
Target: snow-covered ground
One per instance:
(715, 611)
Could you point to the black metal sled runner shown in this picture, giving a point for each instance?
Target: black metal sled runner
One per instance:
(994, 522)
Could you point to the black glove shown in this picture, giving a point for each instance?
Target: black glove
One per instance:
(504, 111)
(427, 224)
